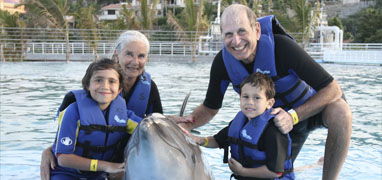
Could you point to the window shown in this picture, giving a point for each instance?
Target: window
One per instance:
(111, 12)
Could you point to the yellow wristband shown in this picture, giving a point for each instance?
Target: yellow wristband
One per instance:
(205, 142)
(93, 165)
(294, 115)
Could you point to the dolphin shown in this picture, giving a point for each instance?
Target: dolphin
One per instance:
(158, 149)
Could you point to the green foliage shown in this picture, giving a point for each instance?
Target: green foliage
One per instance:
(86, 19)
(369, 24)
(302, 8)
(54, 13)
(335, 21)
(365, 26)
(210, 10)
(9, 22)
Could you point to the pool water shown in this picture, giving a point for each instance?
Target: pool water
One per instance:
(30, 93)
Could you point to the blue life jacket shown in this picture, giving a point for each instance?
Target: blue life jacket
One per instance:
(244, 135)
(291, 91)
(97, 139)
(140, 97)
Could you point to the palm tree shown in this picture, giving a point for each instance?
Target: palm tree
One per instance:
(12, 28)
(302, 8)
(54, 12)
(127, 18)
(193, 19)
(147, 14)
(87, 19)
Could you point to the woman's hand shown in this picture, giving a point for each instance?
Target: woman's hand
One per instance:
(47, 162)
(235, 166)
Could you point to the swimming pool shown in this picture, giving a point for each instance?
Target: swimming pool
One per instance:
(30, 93)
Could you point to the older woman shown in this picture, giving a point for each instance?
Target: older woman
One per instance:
(141, 93)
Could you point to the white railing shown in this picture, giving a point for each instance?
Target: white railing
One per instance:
(355, 53)
(49, 44)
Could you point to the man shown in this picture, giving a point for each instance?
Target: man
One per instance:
(313, 101)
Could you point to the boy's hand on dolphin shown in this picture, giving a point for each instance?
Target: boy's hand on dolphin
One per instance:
(283, 120)
(47, 162)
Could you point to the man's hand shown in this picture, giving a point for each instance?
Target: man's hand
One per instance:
(184, 122)
(283, 120)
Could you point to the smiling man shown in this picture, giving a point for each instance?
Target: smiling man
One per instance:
(307, 96)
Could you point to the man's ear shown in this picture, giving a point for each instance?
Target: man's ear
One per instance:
(258, 30)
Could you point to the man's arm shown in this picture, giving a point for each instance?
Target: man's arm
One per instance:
(200, 116)
(315, 104)
(332, 92)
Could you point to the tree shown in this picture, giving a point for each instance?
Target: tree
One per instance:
(12, 28)
(336, 21)
(54, 13)
(193, 20)
(147, 14)
(369, 25)
(87, 19)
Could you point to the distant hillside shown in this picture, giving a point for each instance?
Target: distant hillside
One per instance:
(344, 10)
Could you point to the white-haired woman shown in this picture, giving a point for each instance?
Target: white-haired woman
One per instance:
(140, 92)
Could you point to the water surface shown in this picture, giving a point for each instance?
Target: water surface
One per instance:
(31, 92)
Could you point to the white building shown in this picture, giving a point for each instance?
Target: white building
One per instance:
(112, 11)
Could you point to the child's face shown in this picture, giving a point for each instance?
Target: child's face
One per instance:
(253, 101)
(104, 87)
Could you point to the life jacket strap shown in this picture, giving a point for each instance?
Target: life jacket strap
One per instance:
(286, 103)
(97, 149)
(225, 156)
(279, 95)
(241, 142)
(95, 127)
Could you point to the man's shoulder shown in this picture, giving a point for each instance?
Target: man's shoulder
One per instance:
(281, 38)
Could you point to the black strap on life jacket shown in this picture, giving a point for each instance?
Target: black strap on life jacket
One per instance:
(95, 127)
(245, 161)
(238, 141)
(88, 149)
(225, 156)
(286, 103)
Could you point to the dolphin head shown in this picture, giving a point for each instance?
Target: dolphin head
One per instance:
(159, 149)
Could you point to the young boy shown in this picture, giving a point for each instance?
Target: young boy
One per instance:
(93, 131)
(258, 149)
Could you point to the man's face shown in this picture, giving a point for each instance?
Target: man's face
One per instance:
(240, 38)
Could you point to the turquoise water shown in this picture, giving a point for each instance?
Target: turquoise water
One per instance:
(31, 92)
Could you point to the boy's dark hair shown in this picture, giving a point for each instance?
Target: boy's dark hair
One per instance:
(103, 64)
(262, 81)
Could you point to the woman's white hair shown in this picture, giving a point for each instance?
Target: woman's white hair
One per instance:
(130, 36)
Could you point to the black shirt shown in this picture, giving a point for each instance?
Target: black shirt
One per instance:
(154, 98)
(288, 55)
(272, 142)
